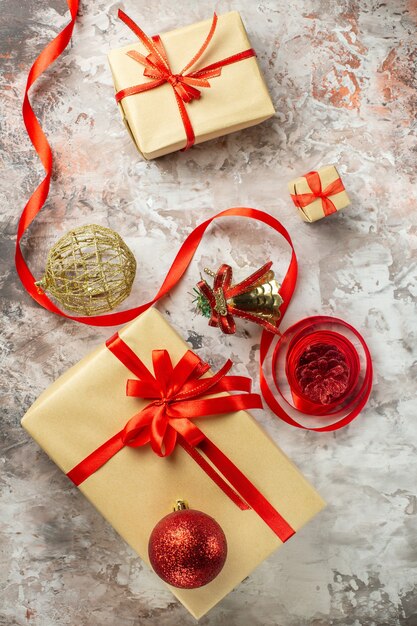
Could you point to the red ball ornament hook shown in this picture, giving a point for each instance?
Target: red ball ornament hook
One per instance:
(187, 548)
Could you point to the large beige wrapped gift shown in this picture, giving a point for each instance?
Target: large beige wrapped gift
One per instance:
(88, 405)
(236, 99)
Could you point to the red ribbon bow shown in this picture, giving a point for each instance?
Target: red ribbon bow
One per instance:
(314, 182)
(218, 296)
(185, 84)
(178, 396)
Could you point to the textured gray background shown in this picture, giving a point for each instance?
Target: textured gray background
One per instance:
(342, 76)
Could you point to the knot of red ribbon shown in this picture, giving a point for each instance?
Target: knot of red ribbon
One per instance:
(220, 298)
(314, 182)
(186, 84)
(157, 67)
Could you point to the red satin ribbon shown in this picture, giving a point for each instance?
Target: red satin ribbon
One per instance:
(348, 406)
(222, 316)
(42, 147)
(186, 85)
(302, 200)
(177, 396)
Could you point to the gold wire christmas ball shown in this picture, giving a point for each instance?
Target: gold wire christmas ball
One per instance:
(90, 270)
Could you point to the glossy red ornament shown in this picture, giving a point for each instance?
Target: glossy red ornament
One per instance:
(187, 549)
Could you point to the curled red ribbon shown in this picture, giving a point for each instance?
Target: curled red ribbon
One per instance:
(302, 200)
(321, 330)
(178, 395)
(222, 311)
(42, 147)
(185, 84)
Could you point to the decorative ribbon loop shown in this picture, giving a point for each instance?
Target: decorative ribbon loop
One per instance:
(185, 84)
(314, 182)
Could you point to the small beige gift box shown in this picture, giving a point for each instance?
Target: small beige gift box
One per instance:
(86, 407)
(235, 99)
(318, 194)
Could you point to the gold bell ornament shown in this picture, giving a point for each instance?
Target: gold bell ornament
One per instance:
(256, 298)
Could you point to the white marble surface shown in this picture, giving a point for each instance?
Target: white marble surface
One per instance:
(342, 77)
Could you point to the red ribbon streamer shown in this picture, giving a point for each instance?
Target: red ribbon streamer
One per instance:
(42, 147)
(178, 396)
(314, 182)
(223, 285)
(186, 85)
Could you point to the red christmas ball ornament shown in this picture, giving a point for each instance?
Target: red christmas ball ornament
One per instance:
(187, 548)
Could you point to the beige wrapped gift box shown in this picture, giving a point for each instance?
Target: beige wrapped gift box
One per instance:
(236, 99)
(314, 210)
(87, 405)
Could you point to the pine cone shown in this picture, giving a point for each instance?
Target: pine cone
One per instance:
(322, 373)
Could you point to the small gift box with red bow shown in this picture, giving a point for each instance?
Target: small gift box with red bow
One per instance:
(142, 422)
(318, 194)
(188, 85)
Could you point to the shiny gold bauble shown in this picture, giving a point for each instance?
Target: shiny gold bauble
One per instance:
(90, 270)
